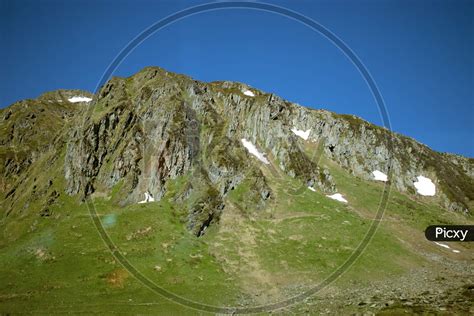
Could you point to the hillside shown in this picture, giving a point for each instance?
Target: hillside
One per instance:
(224, 195)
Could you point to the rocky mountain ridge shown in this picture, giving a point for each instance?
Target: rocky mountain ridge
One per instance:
(140, 132)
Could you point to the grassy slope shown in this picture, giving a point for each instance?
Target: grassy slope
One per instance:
(64, 265)
(59, 263)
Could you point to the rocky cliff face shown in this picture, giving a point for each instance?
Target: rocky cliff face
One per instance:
(140, 132)
(29, 129)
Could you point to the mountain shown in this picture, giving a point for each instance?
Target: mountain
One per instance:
(217, 187)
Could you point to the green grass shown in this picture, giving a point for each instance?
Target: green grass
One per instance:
(60, 264)
(73, 272)
(187, 268)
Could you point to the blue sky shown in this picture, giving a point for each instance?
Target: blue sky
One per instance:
(420, 53)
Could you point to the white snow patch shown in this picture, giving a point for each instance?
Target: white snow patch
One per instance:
(79, 99)
(312, 189)
(447, 247)
(249, 93)
(254, 151)
(379, 176)
(301, 134)
(148, 198)
(337, 197)
(424, 186)
(442, 245)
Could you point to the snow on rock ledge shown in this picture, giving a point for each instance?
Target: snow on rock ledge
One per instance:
(312, 189)
(379, 176)
(148, 198)
(254, 151)
(301, 134)
(79, 99)
(249, 93)
(337, 197)
(424, 186)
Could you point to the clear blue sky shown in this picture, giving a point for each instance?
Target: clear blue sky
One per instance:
(419, 52)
